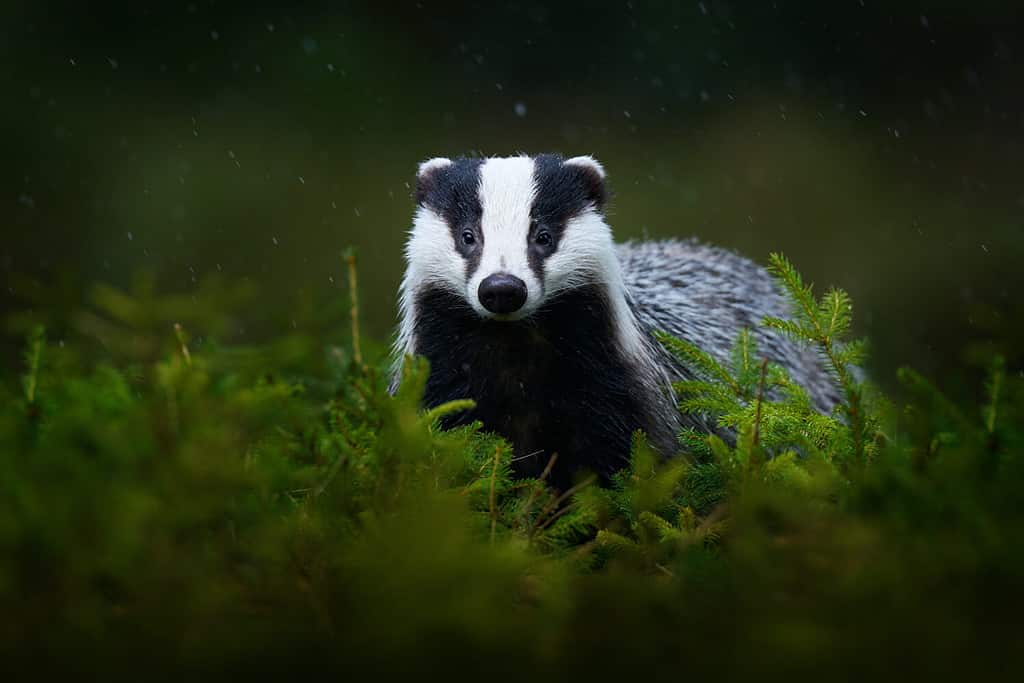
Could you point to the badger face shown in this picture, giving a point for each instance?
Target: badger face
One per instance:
(507, 234)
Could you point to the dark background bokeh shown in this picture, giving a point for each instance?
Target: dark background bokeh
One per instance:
(878, 144)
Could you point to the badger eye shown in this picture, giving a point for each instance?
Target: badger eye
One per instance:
(468, 238)
(543, 238)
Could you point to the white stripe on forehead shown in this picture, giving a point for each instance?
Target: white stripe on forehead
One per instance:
(506, 194)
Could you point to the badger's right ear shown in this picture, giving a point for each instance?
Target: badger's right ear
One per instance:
(592, 174)
(427, 176)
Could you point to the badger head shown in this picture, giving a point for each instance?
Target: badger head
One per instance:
(508, 234)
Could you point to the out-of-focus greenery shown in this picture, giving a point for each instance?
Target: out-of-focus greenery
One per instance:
(876, 143)
(173, 505)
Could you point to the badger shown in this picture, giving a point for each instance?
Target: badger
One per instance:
(519, 298)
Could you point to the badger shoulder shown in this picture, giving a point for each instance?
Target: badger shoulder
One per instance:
(707, 295)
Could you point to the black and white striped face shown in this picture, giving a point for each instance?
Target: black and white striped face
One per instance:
(509, 233)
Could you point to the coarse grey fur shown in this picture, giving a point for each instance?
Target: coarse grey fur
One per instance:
(707, 295)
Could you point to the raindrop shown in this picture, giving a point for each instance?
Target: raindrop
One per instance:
(309, 45)
(302, 180)
(274, 240)
(131, 237)
(520, 109)
(214, 35)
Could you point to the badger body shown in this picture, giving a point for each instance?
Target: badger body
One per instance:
(518, 296)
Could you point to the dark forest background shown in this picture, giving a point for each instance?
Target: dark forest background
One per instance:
(878, 144)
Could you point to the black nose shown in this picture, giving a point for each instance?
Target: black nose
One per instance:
(502, 293)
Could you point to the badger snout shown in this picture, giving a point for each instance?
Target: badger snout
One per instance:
(502, 293)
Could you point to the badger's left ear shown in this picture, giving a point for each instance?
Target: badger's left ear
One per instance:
(592, 174)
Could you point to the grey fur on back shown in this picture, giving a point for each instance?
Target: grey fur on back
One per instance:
(706, 295)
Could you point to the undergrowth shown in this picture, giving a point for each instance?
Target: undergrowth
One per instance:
(196, 507)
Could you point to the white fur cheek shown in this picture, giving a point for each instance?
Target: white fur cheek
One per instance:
(581, 257)
(430, 253)
(562, 272)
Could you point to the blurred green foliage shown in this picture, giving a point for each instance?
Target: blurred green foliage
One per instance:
(876, 143)
(178, 506)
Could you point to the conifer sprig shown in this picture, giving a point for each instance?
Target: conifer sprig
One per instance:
(697, 359)
(825, 324)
